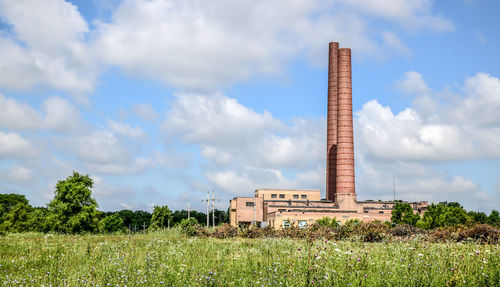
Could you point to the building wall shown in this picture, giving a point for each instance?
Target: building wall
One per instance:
(245, 210)
(275, 211)
(289, 194)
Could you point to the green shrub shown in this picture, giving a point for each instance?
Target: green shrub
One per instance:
(327, 221)
(188, 226)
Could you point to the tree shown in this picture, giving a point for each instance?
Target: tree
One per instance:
(111, 223)
(477, 217)
(161, 217)
(73, 210)
(14, 213)
(494, 218)
(443, 214)
(402, 213)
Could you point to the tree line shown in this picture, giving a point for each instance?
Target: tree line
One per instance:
(74, 210)
(443, 214)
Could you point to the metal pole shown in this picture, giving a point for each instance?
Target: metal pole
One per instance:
(189, 209)
(394, 188)
(213, 207)
(208, 209)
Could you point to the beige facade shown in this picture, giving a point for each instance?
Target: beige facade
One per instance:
(289, 194)
(303, 207)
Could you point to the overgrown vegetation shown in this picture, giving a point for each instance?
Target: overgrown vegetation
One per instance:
(74, 210)
(166, 258)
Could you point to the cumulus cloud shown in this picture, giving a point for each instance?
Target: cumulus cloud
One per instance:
(14, 145)
(409, 13)
(418, 181)
(465, 128)
(125, 129)
(145, 111)
(205, 45)
(438, 127)
(46, 46)
(194, 45)
(58, 115)
(246, 149)
(18, 175)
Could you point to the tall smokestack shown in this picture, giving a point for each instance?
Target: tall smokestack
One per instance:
(331, 138)
(345, 142)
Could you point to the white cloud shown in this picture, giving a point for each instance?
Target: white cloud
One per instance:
(145, 111)
(46, 46)
(245, 149)
(15, 115)
(125, 129)
(412, 14)
(392, 40)
(216, 119)
(59, 115)
(209, 44)
(194, 45)
(413, 83)
(14, 145)
(416, 181)
(62, 116)
(465, 128)
(18, 175)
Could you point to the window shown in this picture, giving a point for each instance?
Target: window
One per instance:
(302, 223)
(303, 196)
(250, 203)
(366, 211)
(282, 196)
(281, 210)
(295, 196)
(381, 211)
(286, 223)
(274, 195)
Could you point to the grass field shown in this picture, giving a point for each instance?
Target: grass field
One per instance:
(168, 259)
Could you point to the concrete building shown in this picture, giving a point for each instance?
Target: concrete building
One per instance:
(284, 207)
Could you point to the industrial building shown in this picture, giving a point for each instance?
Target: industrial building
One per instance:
(280, 208)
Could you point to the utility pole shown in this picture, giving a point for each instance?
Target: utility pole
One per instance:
(189, 209)
(394, 189)
(208, 208)
(213, 207)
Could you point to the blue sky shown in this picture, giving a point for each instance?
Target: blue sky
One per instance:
(160, 101)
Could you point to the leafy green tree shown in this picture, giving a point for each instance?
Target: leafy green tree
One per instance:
(135, 220)
(14, 213)
(443, 214)
(73, 210)
(188, 226)
(161, 217)
(180, 215)
(402, 213)
(37, 220)
(111, 223)
(494, 218)
(477, 217)
(327, 221)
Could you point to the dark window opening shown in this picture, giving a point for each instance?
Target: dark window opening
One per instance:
(274, 195)
(303, 196)
(282, 196)
(296, 196)
(250, 203)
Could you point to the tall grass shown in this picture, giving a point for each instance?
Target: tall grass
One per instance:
(169, 259)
